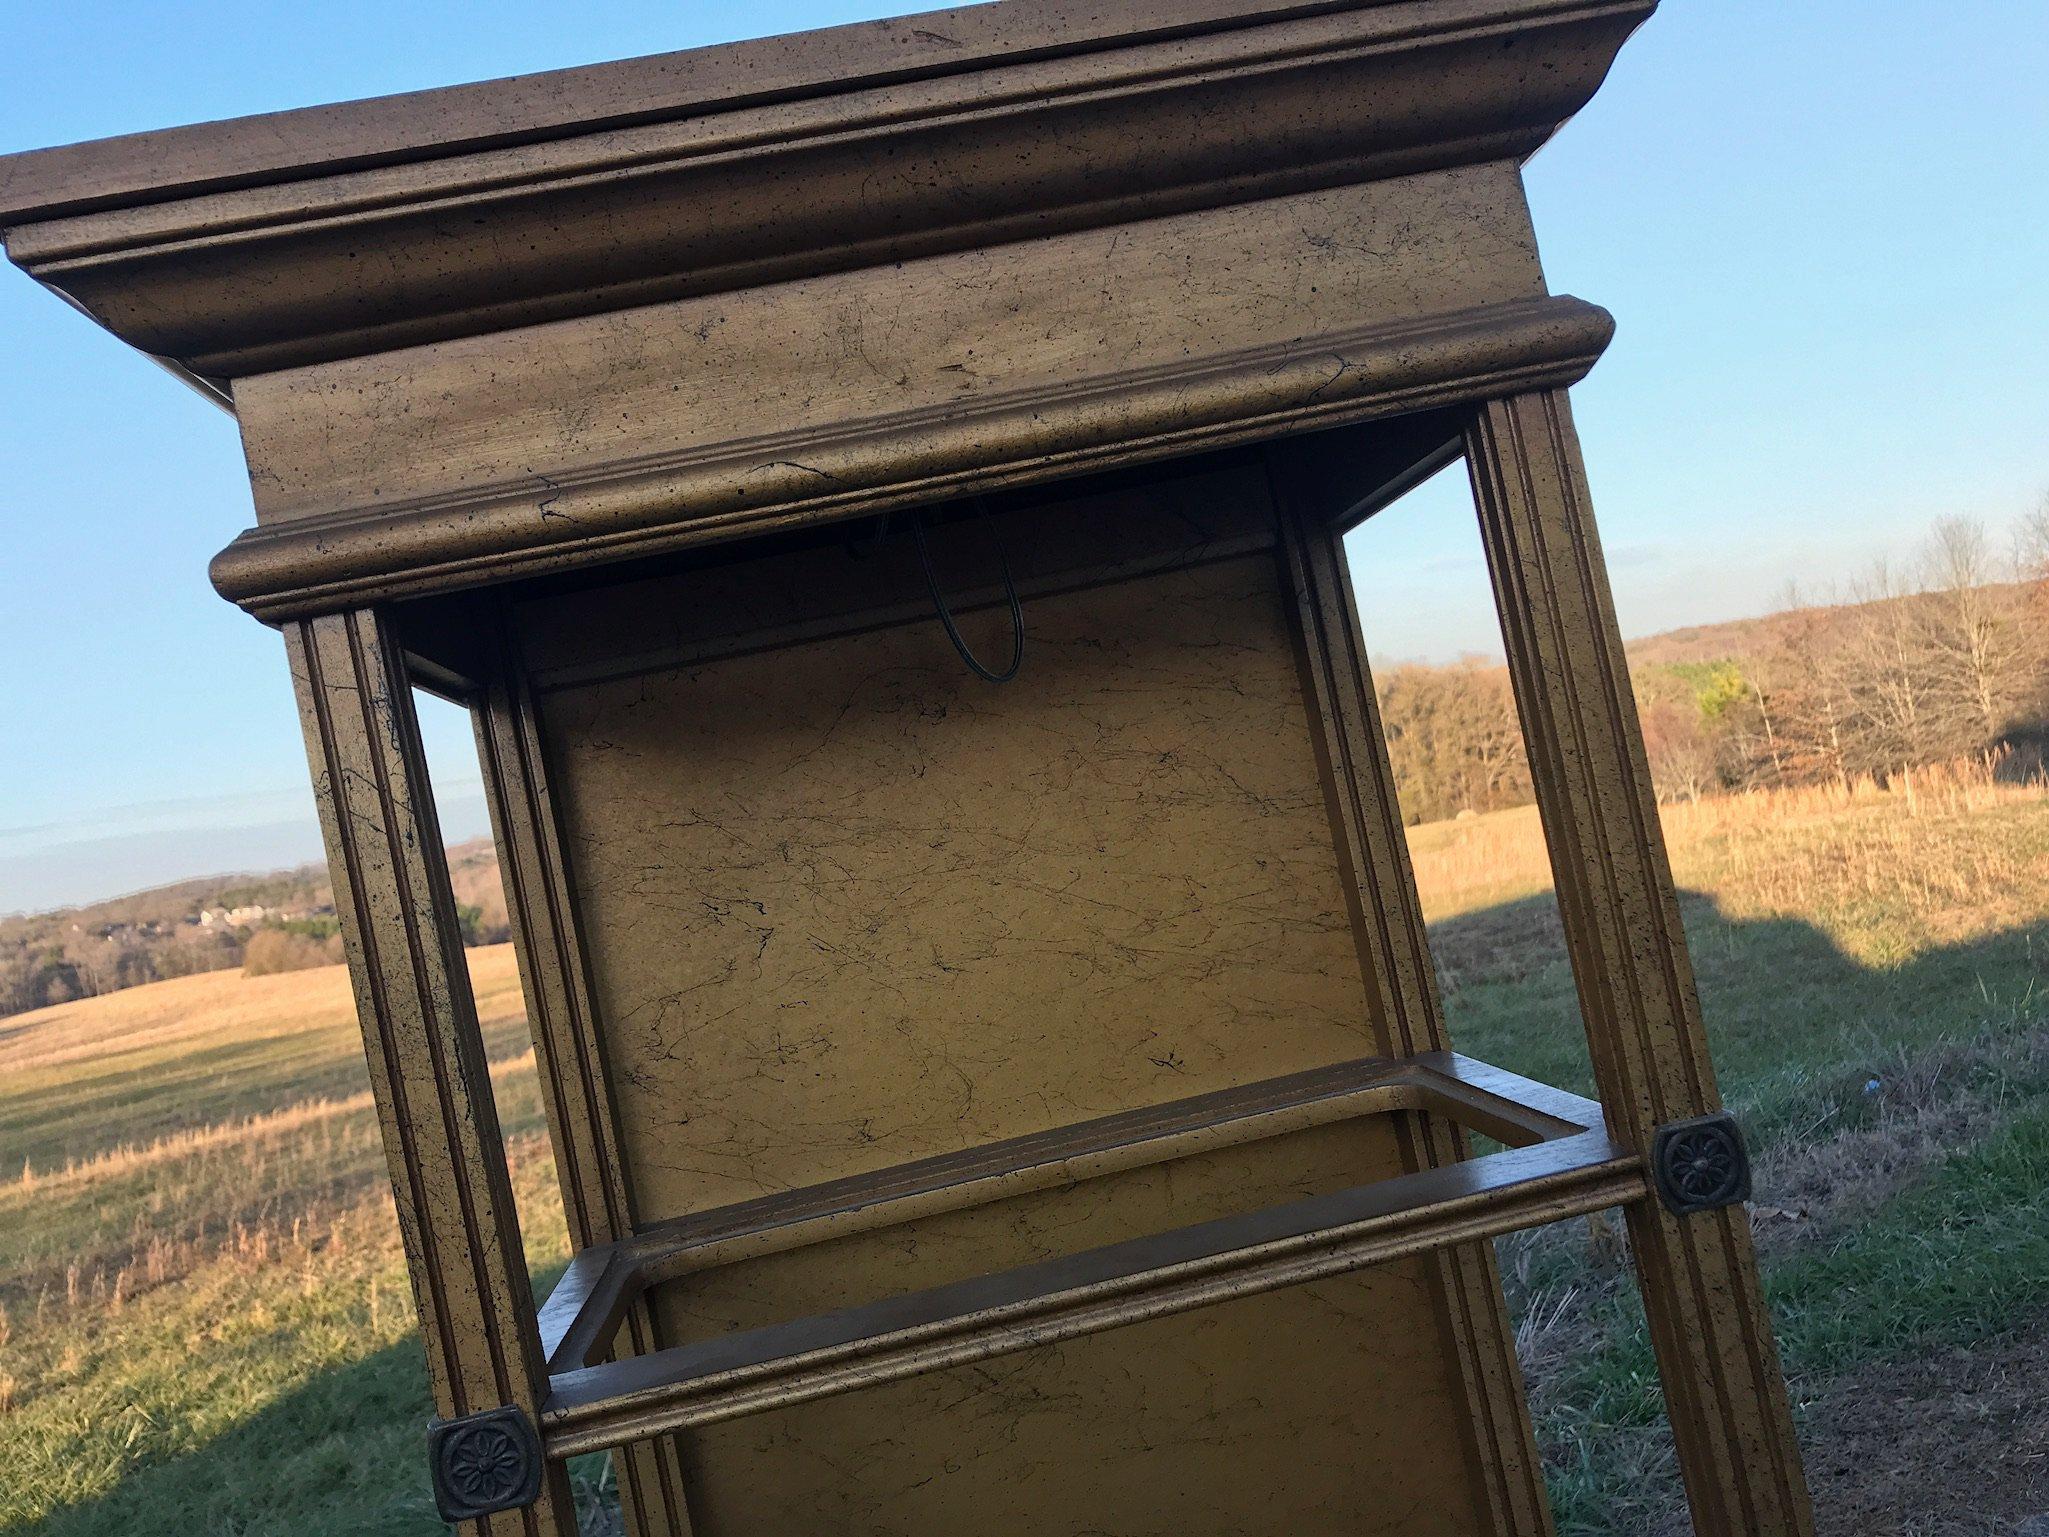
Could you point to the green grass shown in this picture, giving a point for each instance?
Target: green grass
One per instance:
(1875, 991)
(278, 1396)
(1956, 1261)
(266, 1393)
(1945, 1264)
(203, 1302)
(150, 1129)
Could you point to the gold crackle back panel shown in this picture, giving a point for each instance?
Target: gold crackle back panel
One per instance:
(849, 906)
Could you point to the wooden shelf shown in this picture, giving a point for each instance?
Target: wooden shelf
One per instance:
(1559, 1163)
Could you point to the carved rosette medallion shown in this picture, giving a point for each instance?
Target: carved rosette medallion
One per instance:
(1700, 1164)
(484, 1463)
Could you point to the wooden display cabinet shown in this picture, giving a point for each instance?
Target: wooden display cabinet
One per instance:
(1018, 1108)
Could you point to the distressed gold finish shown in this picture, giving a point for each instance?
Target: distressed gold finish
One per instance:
(982, 1316)
(420, 1027)
(568, 1051)
(1387, 922)
(238, 249)
(1723, 1389)
(1021, 1109)
(928, 915)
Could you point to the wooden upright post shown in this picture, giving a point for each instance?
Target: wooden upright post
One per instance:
(1401, 980)
(568, 1043)
(1723, 1387)
(430, 1078)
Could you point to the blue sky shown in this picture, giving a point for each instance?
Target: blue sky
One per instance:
(1823, 229)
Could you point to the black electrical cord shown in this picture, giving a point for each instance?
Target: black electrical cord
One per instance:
(1017, 627)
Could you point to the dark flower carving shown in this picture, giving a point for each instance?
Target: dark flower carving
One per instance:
(485, 1465)
(486, 1462)
(1701, 1163)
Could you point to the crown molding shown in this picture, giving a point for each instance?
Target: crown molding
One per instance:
(391, 551)
(245, 247)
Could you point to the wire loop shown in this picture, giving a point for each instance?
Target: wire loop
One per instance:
(1017, 627)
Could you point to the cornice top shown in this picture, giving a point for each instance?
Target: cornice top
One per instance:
(241, 247)
(185, 161)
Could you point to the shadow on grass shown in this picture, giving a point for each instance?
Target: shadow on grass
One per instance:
(344, 1453)
(1903, 1109)
(1792, 1019)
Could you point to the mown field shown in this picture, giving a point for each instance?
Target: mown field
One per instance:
(204, 1324)
(204, 1319)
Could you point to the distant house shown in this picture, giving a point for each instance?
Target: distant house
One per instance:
(233, 917)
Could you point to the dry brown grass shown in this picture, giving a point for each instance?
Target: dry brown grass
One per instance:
(223, 1004)
(245, 1140)
(164, 1179)
(92, 1218)
(1871, 962)
(1805, 850)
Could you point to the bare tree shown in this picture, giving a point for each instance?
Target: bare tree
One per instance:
(1806, 679)
(1685, 761)
(1882, 674)
(1977, 660)
(1453, 738)
(2031, 545)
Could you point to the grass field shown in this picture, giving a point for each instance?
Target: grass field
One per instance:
(1876, 981)
(204, 1324)
(204, 1319)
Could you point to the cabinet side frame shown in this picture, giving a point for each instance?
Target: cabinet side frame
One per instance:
(428, 1072)
(562, 1016)
(1724, 1390)
(1315, 485)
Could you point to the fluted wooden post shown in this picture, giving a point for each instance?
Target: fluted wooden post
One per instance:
(1723, 1388)
(568, 1042)
(1401, 980)
(427, 1065)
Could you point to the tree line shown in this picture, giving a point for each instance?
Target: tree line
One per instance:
(178, 930)
(1945, 657)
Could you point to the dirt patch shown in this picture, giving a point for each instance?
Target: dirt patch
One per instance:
(1955, 1445)
(1952, 1444)
(1921, 1108)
